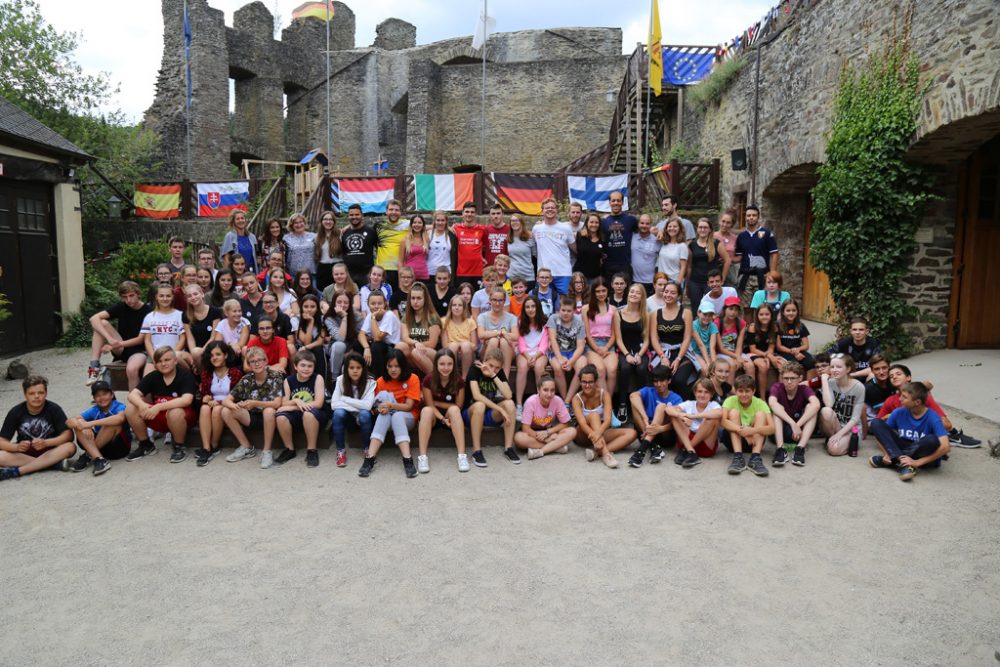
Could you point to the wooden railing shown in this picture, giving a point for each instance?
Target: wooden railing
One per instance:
(273, 205)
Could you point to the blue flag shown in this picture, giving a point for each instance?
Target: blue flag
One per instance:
(681, 68)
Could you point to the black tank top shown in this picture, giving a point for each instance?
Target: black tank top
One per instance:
(671, 332)
(305, 391)
(631, 334)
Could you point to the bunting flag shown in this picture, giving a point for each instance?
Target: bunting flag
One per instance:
(216, 200)
(681, 68)
(592, 192)
(522, 193)
(157, 201)
(334, 196)
(655, 49)
(447, 192)
(316, 10)
(372, 194)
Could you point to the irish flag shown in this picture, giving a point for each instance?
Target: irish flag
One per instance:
(373, 194)
(447, 192)
(157, 201)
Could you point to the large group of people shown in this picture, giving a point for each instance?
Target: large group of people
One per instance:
(619, 332)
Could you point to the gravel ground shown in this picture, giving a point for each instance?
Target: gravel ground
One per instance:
(555, 561)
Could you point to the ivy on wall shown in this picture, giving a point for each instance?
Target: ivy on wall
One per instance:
(869, 200)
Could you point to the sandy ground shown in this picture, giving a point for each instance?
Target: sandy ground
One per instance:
(555, 561)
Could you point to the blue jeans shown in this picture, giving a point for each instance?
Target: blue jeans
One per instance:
(343, 418)
(895, 446)
(560, 285)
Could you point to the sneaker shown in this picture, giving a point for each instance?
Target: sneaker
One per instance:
(535, 454)
(411, 471)
(93, 374)
(878, 462)
(906, 473)
(520, 413)
(563, 450)
(780, 457)
(609, 460)
(622, 413)
(141, 450)
(637, 458)
(366, 467)
(799, 456)
(511, 455)
(423, 465)
(738, 465)
(463, 463)
(202, 457)
(312, 458)
(958, 439)
(168, 439)
(9, 473)
(285, 456)
(757, 466)
(656, 455)
(589, 454)
(179, 454)
(692, 460)
(852, 448)
(241, 453)
(341, 458)
(681, 456)
(266, 459)
(81, 463)
(101, 466)
(479, 459)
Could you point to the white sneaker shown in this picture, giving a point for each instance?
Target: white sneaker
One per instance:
(168, 439)
(535, 454)
(266, 460)
(463, 463)
(563, 450)
(588, 454)
(241, 453)
(520, 412)
(423, 465)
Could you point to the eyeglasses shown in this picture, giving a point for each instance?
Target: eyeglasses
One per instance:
(258, 361)
(791, 378)
(587, 381)
(838, 355)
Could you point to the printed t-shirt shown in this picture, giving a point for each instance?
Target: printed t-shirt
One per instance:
(552, 243)
(390, 236)
(48, 423)
(567, 334)
(247, 388)
(444, 396)
(746, 413)
(860, 353)
(402, 390)
(618, 230)
(495, 242)
(796, 405)
(791, 336)
(359, 248)
(729, 337)
(910, 428)
(539, 417)
(487, 386)
(163, 328)
(755, 249)
(650, 399)
(470, 250)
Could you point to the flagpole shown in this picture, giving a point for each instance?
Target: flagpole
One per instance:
(482, 137)
(329, 140)
(186, 27)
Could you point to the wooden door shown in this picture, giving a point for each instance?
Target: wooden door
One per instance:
(977, 247)
(817, 304)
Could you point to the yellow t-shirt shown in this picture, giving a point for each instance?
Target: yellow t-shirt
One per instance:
(460, 333)
(390, 237)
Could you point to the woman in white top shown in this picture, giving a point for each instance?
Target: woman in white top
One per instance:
(222, 372)
(655, 301)
(673, 256)
(442, 246)
(301, 246)
(164, 326)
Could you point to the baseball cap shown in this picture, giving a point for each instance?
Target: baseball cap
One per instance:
(706, 307)
(731, 301)
(100, 386)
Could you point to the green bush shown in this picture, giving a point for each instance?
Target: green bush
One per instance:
(97, 296)
(137, 261)
(712, 87)
(868, 200)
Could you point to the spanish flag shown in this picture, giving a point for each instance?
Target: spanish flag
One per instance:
(317, 10)
(522, 193)
(655, 49)
(157, 201)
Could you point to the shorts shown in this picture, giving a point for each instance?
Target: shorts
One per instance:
(601, 341)
(119, 446)
(128, 352)
(295, 417)
(565, 353)
(159, 422)
(705, 449)
(256, 419)
(488, 420)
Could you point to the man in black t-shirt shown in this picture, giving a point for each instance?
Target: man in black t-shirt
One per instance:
(488, 403)
(860, 346)
(123, 341)
(34, 435)
(359, 242)
(618, 229)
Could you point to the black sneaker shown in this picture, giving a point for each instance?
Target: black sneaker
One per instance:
(622, 413)
(637, 458)
(511, 455)
(10, 472)
(691, 460)
(179, 454)
(682, 455)
(852, 448)
(780, 457)
(409, 468)
(141, 449)
(757, 466)
(656, 455)
(958, 439)
(285, 456)
(101, 466)
(738, 465)
(878, 462)
(312, 458)
(202, 457)
(81, 463)
(366, 466)
(799, 456)
(479, 459)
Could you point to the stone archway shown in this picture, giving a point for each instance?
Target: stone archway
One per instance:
(463, 55)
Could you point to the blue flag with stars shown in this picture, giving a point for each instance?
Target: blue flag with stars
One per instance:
(681, 68)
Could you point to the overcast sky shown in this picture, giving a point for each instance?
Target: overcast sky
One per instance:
(125, 38)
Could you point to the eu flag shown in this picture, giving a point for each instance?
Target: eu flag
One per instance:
(681, 68)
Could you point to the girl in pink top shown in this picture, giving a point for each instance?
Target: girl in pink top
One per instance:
(598, 321)
(532, 345)
(545, 423)
(413, 249)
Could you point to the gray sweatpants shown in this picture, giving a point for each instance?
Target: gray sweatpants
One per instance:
(399, 422)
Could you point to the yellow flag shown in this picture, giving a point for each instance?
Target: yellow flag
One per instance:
(317, 10)
(655, 49)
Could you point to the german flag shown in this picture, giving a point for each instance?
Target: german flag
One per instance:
(316, 10)
(157, 201)
(522, 193)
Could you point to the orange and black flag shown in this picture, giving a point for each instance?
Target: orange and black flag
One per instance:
(521, 193)
(317, 10)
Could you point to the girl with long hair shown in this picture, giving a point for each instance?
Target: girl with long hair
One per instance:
(705, 253)
(522, 251)
(595, 429)
(442, 246)
(726, 236)
(458, 333)
(579, 291)
(670, 337)
(759, 341)
(413, 249)
(632, 338)
(328, 250)
(589, 249)
(420, 331)
(221, 372)
(199, 320)
(444, 392)
(238, 241)
(223, 289)
(351, 402)
(397, 406)
(303, 285)
(273, 239)
(532, 346)
(599, 324)
(792, 343)
(673, 257)
(342, 324)
(311, 334)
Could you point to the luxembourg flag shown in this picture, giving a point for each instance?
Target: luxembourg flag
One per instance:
(443, 192)
(593, 191)
(373, 194)
(216, 200)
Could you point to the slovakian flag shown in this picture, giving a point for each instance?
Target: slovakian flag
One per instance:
(683, 67)
(157, 201)
(372, 194)
(216, 200)
(522, 193)
(592, 192)
(443, 192)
